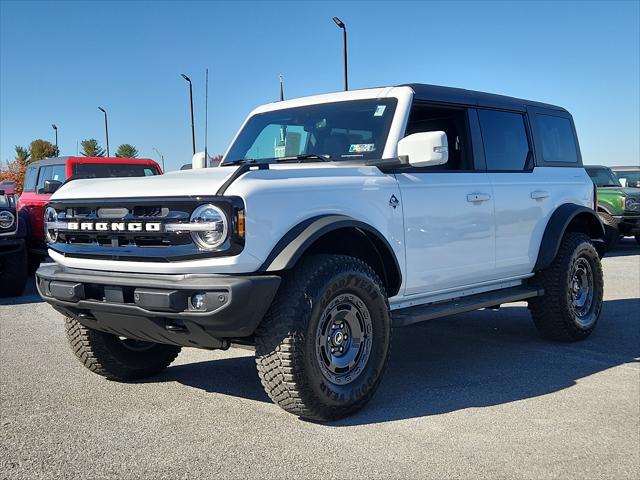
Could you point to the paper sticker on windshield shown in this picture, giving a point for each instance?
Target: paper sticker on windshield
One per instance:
(380, 110)
(362, 147)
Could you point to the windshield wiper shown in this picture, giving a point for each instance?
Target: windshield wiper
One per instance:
(325, 157)
(240, 161)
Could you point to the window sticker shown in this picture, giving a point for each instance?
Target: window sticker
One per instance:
(380, 110)
(362, 147)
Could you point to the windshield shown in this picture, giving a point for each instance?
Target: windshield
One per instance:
(603, 177)
(350, 130)
(106, 170)
(631, 179)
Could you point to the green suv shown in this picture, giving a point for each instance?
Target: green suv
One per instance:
(618, 206)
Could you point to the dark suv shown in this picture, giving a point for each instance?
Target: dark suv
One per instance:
(13, 255)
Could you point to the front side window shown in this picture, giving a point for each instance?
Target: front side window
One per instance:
(557, 139)
(603, 177)
(51, 172)
(628, 178)
(506, 146)
(349, 130)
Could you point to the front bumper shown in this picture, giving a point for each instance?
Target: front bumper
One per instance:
(11, 245)
(158, 308)
(628, 224)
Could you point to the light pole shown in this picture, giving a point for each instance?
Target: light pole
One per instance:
(56, 130)
(193, 128)
(341, 24)
(106, 127)
(161, 158)
(281, 77)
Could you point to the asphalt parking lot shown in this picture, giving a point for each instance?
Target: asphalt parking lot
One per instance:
(474, 396)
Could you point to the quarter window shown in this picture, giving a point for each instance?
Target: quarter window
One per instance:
(557, 139)
(506, 146)
(30, 179)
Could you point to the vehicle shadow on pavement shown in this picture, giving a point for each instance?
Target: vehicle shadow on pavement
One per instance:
(30, 295)
(478, 359)
(625, 248)
(488, 358)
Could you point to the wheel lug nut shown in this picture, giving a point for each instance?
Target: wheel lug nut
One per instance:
(346, 336)
(333, 350)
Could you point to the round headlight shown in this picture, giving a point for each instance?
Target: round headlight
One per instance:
(7, 219)
(631, 204)
(50, 216)
(214, 227)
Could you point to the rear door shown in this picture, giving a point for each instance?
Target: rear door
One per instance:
(523, 192)
(448, 209)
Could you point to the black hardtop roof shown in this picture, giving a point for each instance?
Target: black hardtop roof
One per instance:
(49, 161)
(436, 93)
(625, 167)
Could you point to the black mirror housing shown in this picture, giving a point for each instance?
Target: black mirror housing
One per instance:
(50, 186)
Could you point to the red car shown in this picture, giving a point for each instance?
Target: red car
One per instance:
(45, 176)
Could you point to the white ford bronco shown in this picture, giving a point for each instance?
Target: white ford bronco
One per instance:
(330, 220)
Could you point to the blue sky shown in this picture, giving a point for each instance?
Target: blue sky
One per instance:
(61, 60)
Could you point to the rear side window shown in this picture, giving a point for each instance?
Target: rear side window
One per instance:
(108, 170)
(30, 179)
(557, 139)
(51, 172)
(506, 146)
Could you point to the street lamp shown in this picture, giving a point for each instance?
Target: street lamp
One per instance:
(193, 128)
(56, 130)
(106, 127)
(161, 158)
(341, 24)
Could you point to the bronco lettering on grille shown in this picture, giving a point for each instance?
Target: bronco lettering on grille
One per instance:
(115, 226)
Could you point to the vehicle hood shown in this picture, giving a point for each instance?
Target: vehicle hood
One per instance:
(204, 181)
(623, 191)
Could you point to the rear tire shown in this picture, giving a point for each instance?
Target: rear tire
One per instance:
(323, 345)
(116, 359)
(573, 291)
(13, 273)
(611, 232)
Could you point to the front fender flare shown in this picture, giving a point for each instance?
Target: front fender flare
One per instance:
(296, 241)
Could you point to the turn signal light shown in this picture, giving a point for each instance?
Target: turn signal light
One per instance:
(240, 223)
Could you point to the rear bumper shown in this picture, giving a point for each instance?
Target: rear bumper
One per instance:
(158, 308)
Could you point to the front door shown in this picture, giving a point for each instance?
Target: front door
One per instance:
(448, 209)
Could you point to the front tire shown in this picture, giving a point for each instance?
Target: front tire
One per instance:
(115, 358)
(13, 273)
(323, 345)
(573, 291)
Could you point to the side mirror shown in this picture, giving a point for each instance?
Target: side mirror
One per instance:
(50, 186)
(198, 161)
(425, 149)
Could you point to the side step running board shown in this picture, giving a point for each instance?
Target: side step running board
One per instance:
(420, 313)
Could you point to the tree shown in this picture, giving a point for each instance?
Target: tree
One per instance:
(42, 149)
(15, 170)
(22, 154)
(90, 148)
(127, 150)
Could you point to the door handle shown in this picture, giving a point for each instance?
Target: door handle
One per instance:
(478, 197)
(539, 194)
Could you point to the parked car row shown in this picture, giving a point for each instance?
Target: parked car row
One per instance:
(22, 238)
(618, 201)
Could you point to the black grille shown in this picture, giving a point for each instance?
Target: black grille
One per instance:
(139, 245)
